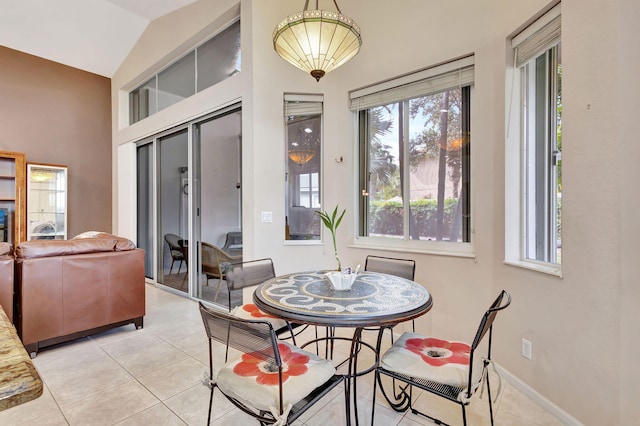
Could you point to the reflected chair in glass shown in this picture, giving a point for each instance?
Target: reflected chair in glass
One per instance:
(451, 370)
(271, 380)
(233, 243)
(175, 250)
(214, 260)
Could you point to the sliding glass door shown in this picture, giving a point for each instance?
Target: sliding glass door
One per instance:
(217, 173)
(190, 204)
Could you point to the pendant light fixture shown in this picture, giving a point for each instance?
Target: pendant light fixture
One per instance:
(317, 41)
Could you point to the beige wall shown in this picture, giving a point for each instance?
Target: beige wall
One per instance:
(56, 114)
(583, 326)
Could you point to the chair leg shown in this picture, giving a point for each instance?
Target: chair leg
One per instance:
(464, 416)
(171, 267)
(293, 335)
(215, 296)
(210, 406)
(373, 400)
(489, 397)
(347, 403)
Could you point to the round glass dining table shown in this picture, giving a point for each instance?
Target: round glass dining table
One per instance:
(374, 300)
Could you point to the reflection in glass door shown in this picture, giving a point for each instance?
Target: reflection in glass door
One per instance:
(144, 188)
(218, 212)
(173, 210)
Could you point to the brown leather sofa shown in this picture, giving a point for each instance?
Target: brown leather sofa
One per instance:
(66, 289)
(6, 279)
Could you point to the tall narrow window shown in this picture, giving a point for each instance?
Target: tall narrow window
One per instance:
(415, 155)
(538, 72)
(303, 136)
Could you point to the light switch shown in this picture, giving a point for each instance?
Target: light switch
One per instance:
(267, 216)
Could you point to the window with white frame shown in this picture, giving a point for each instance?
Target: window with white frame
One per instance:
(213, 61)
(303, 138)
(415, 158)
(534, 143)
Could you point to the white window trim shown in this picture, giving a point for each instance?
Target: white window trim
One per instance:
(464, 77)
(515, 155)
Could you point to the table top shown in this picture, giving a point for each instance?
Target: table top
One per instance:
(375, 299)
(19, 380)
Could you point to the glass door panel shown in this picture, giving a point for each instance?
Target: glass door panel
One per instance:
(145, 204)
(218, 202)
(173, 210)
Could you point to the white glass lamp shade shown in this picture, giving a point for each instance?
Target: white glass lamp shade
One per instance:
(317, 41)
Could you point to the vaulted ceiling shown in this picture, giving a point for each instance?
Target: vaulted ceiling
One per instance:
(92, 35)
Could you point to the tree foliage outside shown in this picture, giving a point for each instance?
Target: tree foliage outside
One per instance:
(434, 123)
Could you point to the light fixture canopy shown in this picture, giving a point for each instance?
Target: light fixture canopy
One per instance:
(317, 41)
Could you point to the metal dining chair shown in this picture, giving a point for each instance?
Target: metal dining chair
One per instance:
(451, 370)
(273, 381)
(403, 268)
(251, 273)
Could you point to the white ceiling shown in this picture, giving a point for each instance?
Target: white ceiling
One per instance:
(93, 35)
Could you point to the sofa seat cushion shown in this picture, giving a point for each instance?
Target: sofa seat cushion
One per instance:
(49, 248)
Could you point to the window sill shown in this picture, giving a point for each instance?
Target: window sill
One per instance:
(436, 248)
(545, 268)
(302, 242)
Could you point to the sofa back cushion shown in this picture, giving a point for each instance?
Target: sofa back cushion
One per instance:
(5, 249)
(122, 244)
(48, 248)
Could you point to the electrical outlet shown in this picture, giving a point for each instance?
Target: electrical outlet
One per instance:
(526, 348)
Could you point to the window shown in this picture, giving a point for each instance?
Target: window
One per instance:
(534, 139)
(303, 136)
(415, 151)
(213, 61)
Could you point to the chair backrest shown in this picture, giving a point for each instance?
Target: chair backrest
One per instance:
(403, 268)
(502, 301)
(223, 256)
(486, 327)
(247, 336)
(208, 255)
(172, 240)
(234, 239)
(249, 273)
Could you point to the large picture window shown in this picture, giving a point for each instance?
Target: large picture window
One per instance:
(415, 151)
(536, 131)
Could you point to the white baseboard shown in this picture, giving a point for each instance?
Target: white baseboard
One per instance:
(534, 396)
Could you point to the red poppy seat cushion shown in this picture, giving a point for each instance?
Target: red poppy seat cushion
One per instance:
(428, 358)
(251, 312)
(254, 382)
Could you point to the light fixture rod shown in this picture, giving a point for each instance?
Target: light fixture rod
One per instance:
(335, 3)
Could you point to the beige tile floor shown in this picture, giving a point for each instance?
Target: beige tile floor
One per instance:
(153, 377)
